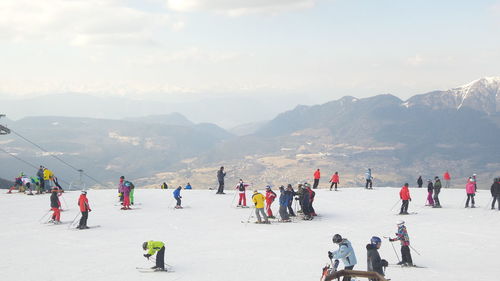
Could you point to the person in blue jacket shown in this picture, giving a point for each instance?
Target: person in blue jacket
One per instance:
(345, 253)
(283, 200)
(177, 197)
(188, 186)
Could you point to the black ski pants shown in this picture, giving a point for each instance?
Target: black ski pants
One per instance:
(316, 183)
(331, 185)
(160, 258)
(470, 197)
(290, 208)
(404, 207)
(348, 278)
(495, 198)
(436, 197)
(368, 182)
(221, 187)
(406, 255)
(178, 201)
(83, 219)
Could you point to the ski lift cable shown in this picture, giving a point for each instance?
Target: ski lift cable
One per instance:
(55, 156)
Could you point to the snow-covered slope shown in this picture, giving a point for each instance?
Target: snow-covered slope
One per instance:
(482, 95)
(207, 241)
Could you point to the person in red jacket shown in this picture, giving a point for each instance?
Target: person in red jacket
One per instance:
(270, 196)
(404, 194)
(335, 180)
(83, 203)
(447, 179)
(317, 176)
(55, 205)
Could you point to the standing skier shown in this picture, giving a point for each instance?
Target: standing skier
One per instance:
(402, 235)
(317, 176)
(420, 182)
(437, 189)
(495, 192)
(283, 201)
(335, 181)
(369, 179)
(447, 179)
(474, 176)
(345, 252)
(430, 188)
(242, 187)
(305, 198)
(312, 194)
(125, 190)
(132, 189)
(373, 260)
(404, 194)
(83, 203)
(220, 178)
(39, 174)
(55, 205)
(471, 192)
(157, 247)
(290, 193)
(270, 196)
(177, 197)
(258, 199)
(47, 177)
(120, 188)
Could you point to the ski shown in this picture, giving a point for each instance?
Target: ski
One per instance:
(406, 266)
(150, 270)
(410, 213)
(90, 227)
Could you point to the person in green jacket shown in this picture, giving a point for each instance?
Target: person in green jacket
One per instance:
(157, 247)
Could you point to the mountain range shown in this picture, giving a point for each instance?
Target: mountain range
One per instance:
(456, 130)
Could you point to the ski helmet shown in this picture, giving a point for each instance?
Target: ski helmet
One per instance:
(336, 238)
(268, 186)
(84, 192)
(399, 223)
(375, 240)
(144, 246)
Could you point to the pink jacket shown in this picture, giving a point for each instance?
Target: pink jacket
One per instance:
(470, 188)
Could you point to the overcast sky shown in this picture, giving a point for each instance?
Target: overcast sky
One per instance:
(176, 50)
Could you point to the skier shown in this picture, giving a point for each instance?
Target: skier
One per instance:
(188, 186)
(36, 181)
(369, 179)
(305, 202)
(495, 192)
(374, 262)
(344, 252)
(312, 194)
(437, 189)
(39, 174)
(283, 201)
(258, 199)
(177, 197)
(47, 177)
(55, 205)
(120, 187)
(157, 247)
(474, 176)
(83, 203)
(164, 185)
(402, 235)
(404, 194)
(430, 188)
(242, 187)
(447, 179)
(420, 182)
(335, 181)
(270, 196)
(317, 176)
(471, 192)
(17, 183)
(125, 191)
(132, 188)
(220, 178)
(290, 193)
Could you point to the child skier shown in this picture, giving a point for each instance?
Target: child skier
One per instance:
(157, 247)
(430, 188)
(258, 199)
(83, 203)
(344, 252)
(404, 194)
(177, 197)
(402, 235)
(470, 189)
(335, 181)
(374, 262)
(270, 196)
(55, 205)
(242, 187)
(125, 191)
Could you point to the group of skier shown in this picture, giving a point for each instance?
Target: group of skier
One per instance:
(42, 182)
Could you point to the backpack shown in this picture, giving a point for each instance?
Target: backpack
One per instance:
(241, 187)
(129, 183)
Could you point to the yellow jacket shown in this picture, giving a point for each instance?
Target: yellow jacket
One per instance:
(258, 199)
(154, 246)
(47, 174)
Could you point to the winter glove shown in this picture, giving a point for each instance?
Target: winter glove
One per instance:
(409, 199)
(330, 255)
(181, 197)
(147, 256)
(384, 263)
(90, 210)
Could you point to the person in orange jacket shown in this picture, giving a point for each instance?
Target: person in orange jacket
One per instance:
(335, 181)
(270, 196)
(404, 194)
(83, 203)
(317, 176)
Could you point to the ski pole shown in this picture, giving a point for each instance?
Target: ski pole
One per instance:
(232, 201)
(393, 248)
(73, 222)
(64, 200)
(395, 204)
(414, 250)
(40, 220)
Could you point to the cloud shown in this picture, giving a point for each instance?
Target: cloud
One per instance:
(80, 22)
(191, 54)
(416, 60)
(239, 7)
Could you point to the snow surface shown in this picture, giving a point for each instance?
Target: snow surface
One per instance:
(207, 241)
